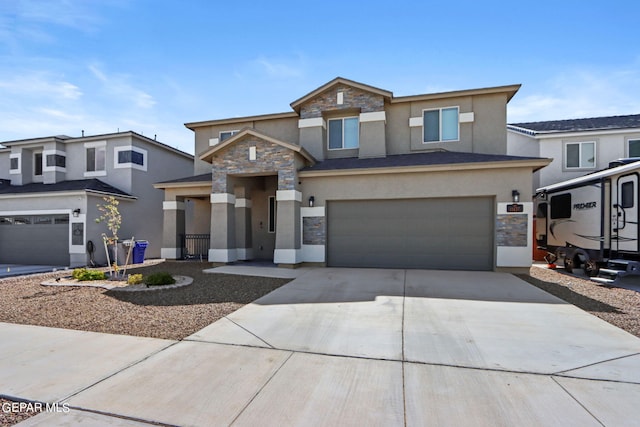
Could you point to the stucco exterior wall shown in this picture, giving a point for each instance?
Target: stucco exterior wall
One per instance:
(4, 163)
(496, 182)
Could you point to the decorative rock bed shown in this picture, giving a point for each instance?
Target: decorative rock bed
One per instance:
(119, 286)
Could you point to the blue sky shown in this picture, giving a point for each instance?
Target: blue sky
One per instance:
(152, 65)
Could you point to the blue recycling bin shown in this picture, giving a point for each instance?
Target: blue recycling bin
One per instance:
(138, 251)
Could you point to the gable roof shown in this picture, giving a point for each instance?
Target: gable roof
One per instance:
(338, 81)
(208, 155)
(92, 185)
(428, 159)
(577, 125)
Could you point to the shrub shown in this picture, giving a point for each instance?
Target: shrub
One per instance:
(159, 279)
(134, 279)
(82, 274)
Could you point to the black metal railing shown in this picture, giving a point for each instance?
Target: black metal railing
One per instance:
(195, 246)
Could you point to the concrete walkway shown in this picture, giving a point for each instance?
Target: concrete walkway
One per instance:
(347, 347)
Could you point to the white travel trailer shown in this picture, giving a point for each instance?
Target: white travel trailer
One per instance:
(592, 221)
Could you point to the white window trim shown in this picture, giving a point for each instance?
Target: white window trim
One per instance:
(95, 144)
(19, 157)
(343, 119)
(580, 144)
(129, 165)
(232, 132)
(629, 143)
(46, 168)
(440, 141)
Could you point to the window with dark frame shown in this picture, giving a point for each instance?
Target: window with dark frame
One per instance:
(560, 206)
(14, 163)
(627, 195)
(131, 156)
(272, 215)
(56, 160)
(96, 159)
(37, 164)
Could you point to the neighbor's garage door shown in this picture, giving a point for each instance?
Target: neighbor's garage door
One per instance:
(447, 233)
(35, 239)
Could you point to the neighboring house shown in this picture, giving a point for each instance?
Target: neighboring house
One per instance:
(50, 188)
(577, 146)
(355, 176)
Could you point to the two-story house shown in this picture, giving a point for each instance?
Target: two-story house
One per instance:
(577, 146)
(354, 176)
(50, 189)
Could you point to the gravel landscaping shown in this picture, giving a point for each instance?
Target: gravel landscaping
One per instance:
(167, 313)
(618, 306)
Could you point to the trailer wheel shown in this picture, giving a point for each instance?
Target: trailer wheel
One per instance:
(568, 264)
(591, 268)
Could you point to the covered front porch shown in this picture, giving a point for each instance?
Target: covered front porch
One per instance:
(249, 207)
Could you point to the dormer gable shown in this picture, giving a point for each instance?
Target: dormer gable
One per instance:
(341, 95)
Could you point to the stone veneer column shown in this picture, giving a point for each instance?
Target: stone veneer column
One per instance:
(244, 243)
(173, 228)
(222, 247)
(288, 223)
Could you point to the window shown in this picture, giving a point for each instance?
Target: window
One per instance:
(227, 134)
(580, 155)
(130, 156)
(272, 214)
(634, 148)
(15, 163)
(440, 125)
(627, 199)
(37, 164)
(56, 160)
(96, 159)
(561, 206)
(344, 133)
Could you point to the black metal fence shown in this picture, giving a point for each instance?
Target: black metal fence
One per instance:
(195, 246)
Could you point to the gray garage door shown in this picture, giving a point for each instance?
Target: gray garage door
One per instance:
(34, 239)
(448, 233)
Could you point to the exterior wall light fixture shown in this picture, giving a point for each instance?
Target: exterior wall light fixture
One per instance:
(516, 196)
(76, 212)
(312, 201)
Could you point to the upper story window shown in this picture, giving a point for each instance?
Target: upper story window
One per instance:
(130, 157)
(344, 133)
(441, 125)
(580, 155)
(14, 163)
(634, 147)
(56, 160)
(96, 155)
(37, 164)
(227, 134)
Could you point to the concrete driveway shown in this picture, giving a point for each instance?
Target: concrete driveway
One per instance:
(368, 347)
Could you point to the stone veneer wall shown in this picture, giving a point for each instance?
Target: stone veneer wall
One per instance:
(313, 230)
(511, 230)
(270, 157)
(353, 98)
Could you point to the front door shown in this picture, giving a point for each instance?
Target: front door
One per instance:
(624, 215)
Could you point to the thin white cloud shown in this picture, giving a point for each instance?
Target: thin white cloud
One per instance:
(579, 94)
(280, 68)
(39, 84)
(118, 86)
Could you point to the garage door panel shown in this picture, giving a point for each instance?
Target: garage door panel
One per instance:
(46, 244)
(451, 233)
